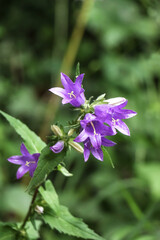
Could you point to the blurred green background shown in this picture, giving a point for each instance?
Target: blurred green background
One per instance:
(117, 44)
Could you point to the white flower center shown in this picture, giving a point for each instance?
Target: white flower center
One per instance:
(28, 162)
(72, 94)
(94, 128)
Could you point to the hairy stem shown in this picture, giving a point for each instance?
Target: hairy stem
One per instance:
(30, 209)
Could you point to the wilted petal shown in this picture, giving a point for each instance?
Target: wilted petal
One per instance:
(58, 91)
(24, 150)
(58, 147)
(97, 153)
(81, 137)
(21, 171)
(122, 127)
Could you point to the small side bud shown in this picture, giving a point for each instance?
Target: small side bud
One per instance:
(39, 209)
(70, 132)
(56, 130)
(76, 146)
(101, 97)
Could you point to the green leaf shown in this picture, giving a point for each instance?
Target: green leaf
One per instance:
(7, 232)
(107, 156)
(64, 171)
(59, 217)
(78, 69)
(47, 162)
(33, 143)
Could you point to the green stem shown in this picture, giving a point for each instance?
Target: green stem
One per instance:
(30, 209)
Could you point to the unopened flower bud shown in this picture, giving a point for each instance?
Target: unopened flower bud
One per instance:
(39, 209)
(70, 132)
(101, 97)
(76, 146)
(56, 130)
(116, 101)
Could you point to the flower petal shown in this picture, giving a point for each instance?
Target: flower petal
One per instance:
(86, 153)
(21, 171)
(122, 127)
(66, 81)
(97, 153)
(79, 79)
(126, 113)
(24, 150)
(107, 143)
(18, 159)
(81, 137)
(58, 91)
(36, 156)
(96, 141)
(58, 147)
(32, 168)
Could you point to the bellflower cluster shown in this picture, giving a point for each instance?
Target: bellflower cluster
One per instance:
(27, 161)
(98, 120)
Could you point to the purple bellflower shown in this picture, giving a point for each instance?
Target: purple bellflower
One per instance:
(27, 161)
(113, 113)
(93, 136)
(97, 153)
(72, 93)
(58, 147)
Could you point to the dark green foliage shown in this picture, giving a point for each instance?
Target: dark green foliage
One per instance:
(119, 55)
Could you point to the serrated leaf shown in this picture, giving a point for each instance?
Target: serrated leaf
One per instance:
(64, 171)
(48, 160)
(59, 217)
(33, 142)
(107, 156)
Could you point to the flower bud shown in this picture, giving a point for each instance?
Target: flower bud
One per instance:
(56, 130)
(101, 97)
(70, 132)
(76, 146)
(116, 101)
(39, 209)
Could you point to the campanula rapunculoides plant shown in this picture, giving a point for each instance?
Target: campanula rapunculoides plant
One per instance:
(95, 121)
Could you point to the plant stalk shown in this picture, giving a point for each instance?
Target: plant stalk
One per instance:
(30, 209)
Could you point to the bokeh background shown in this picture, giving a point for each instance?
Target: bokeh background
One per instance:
(117, 44)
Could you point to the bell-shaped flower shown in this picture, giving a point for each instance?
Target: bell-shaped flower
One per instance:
(113, 112)
(97, 153)
(58, 147)
(27, 161)
(93, 129)
(72, 93)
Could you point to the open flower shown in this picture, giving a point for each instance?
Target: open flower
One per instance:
(97, 153)
(94, 130)
(72, 93)
(113, 112)
(27, 161)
